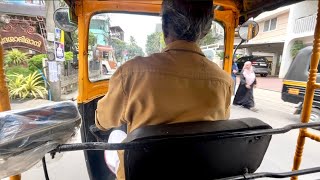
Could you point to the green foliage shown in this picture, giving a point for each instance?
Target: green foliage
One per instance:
(15, 57)
(296, 47)
(133, 49)
(221, 55)
(31, 86)
(17, 70)
(35, 62)
(68, 56)
(155, 43)
(15, 85)
(210, 38)
(92, 38)
(34, 85)
(119, 47)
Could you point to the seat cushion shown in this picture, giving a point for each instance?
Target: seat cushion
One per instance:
(27, 135)
(178, 155)
(22, 130)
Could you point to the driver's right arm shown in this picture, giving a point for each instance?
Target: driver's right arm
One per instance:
(111, 108)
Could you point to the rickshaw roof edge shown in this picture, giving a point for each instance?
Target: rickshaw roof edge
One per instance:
(247, 8)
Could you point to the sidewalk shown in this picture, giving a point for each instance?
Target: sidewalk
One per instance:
(32, 103)
(71, 96)
(28, 103)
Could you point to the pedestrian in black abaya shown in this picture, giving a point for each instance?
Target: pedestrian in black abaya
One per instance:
(244, 95)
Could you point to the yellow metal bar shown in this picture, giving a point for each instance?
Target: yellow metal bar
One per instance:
(317, 86)
(250, 35)
(229, 22)
(312, 136)
(4, 94)
(16, 177)
(299, 151)
(308, 99)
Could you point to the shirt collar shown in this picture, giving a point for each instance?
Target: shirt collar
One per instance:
(182, 45)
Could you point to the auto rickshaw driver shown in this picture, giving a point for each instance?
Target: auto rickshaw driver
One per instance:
(177, 85)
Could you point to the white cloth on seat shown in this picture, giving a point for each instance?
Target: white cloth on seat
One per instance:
(111, 157)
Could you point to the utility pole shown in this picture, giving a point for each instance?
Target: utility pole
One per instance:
(55, 67)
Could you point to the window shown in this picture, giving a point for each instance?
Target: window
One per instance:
(139, 35)
(270, 25)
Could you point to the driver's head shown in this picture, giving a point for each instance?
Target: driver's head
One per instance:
(188, 20)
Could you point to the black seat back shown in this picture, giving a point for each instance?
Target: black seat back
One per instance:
(178, 155)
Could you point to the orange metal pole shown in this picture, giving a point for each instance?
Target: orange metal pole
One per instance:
(16, 177)
(312, 136)
(250, 28)
(4, 95)
(308, 99)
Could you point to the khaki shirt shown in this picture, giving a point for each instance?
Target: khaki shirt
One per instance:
(178, 85)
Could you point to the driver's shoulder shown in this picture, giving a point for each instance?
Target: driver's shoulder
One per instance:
(140, 63)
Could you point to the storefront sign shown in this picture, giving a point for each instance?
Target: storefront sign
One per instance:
(21, 39)
(23, 36)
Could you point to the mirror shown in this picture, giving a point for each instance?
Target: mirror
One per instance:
(248, 30)
(62, 20)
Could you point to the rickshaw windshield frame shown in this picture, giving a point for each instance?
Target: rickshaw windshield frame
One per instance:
(88, 90)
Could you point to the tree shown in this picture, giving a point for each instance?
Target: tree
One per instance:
(221, 55)
(296, 47)
(132, 40)
(92, 38)
(133, 49)
(155, 43)
(119, 48)
(210, 38)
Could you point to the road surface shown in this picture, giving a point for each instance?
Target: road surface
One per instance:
(278, 158)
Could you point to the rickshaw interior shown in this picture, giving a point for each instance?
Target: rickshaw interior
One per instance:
(148, 149)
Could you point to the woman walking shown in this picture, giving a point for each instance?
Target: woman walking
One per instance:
(244, 95)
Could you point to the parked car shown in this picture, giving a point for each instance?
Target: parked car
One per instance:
(259, 63)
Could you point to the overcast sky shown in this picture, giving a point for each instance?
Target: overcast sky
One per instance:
(138, 26)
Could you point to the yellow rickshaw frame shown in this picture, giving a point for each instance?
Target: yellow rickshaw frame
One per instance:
(88, 91)
(312, 85)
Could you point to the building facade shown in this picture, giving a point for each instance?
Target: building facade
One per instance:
(279, 30)
(100, 27)
(117, 32)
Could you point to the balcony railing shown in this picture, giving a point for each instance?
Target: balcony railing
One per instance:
(305, 24)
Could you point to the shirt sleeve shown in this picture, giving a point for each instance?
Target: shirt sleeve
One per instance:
(111, 108)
